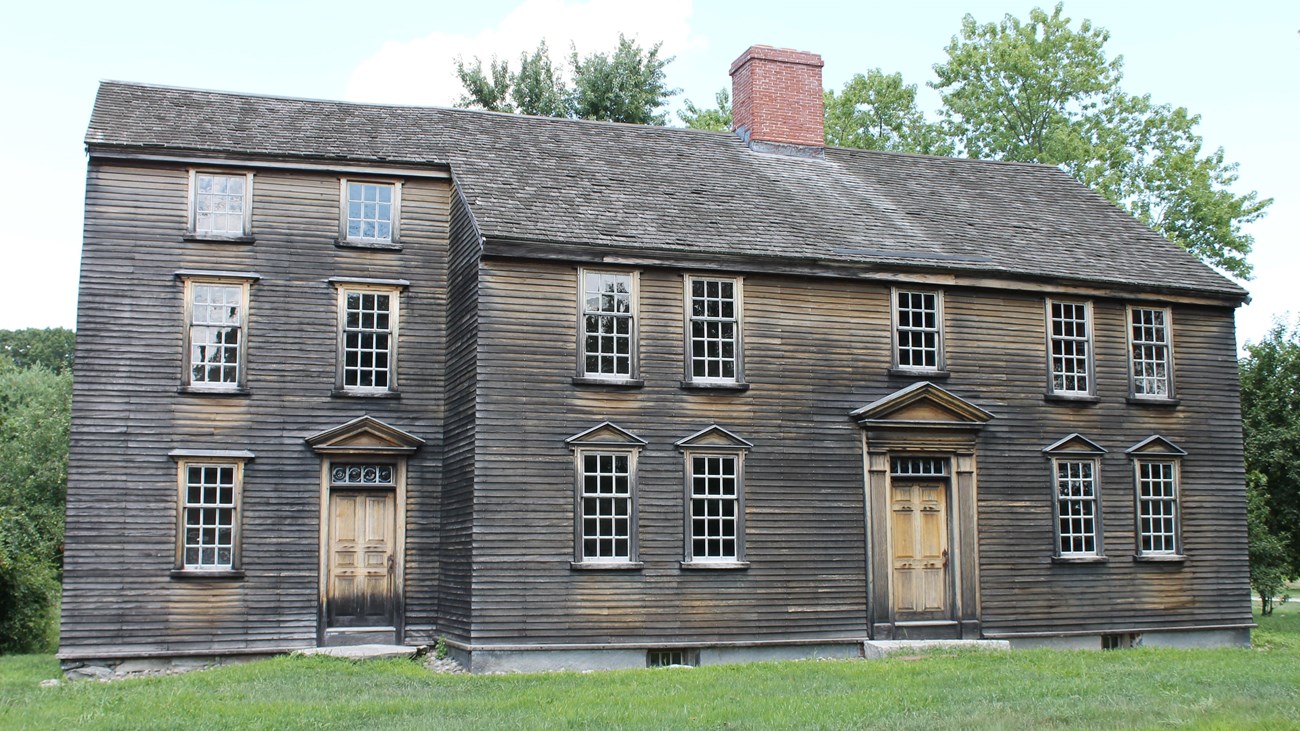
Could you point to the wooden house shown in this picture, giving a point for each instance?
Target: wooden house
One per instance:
(579, 394)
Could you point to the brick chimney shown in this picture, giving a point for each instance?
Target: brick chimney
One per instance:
(776, 100)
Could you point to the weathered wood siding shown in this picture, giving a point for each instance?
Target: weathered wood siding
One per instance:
(815, 349)
(127, 414)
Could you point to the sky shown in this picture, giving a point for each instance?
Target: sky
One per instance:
(1234, 63)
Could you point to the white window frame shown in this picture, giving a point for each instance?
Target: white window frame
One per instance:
(234, 462)
(1098, 549)
(1174, 537)
(736, 322)
(192, 229)
(1086, 341)
(394, 331)
(738, 501)
(1168, 361)
(634, 316)
(188, 383)
(581, 494)
(896, 328)
(394, 238)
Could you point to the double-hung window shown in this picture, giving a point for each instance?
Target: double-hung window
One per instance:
(713, 330)
(208, 523)
(1149, 353)
(1157, 502)
(216, 324)
(368, 330)
(220, 204)
(608, 328)
(607, 497)
(918, 330)
(715, 498)
(1077, 514)
(370, 213)
(1069, 336)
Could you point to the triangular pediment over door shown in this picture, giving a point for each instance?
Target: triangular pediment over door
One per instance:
(364, 435)
(922, 404)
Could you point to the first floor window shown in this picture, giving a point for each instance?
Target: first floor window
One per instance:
(606, 523)
(219, 205)
(209, 500)
(368, 338)
(714, 329)
(1157, 483)
(215, 334)
(608, 337)
(715, 510)
(1149, 352)
(1077, 516)
(1070, 340)
(917, 332)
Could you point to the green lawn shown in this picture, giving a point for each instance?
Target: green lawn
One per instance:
(1144, 688)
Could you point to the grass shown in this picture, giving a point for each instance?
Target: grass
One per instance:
(1142, 688)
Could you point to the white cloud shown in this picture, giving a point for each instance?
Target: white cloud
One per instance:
(422, 71)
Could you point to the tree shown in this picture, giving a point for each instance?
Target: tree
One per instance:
(718, 120)
(34, 415)
(1269, 566)
(51, 347)
(625, 86)
(1270, 408)
(878, 112)
(1043, 91)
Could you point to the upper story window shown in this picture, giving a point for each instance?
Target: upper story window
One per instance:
(220, 204)
(370, 212)
(1070, 348)
(608, 330)
(368, 318)
(216, 326)
(1149, 352)
(918, 330)
(714, 331)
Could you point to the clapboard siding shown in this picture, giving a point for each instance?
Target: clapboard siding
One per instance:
(814, 351)
(128, 415)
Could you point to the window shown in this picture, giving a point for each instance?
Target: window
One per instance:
(368, 339)
(1070, 345)
(1077, 518)
(713, 330)
(1157, 498)
(918, 334)
(715, 507)
(217, 317)
(370, 212)
(1149, 352)
(219, 204)
(209, 526)
(608, 328)
(607, 522)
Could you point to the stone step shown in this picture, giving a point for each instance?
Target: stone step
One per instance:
(365, 652)
(878, 649)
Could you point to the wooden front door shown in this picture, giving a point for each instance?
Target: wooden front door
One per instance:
(361, 591)
(919, 524)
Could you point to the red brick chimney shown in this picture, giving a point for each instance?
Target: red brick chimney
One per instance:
(776, 100)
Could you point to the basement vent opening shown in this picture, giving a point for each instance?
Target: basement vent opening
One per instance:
(1120, 641)
(671, 658)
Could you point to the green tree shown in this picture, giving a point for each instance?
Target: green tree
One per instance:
(625, 86)
(1270, 568)
(718, 119)
(35, 407)
(1270, 410)
(49, 347)
(1044, 91)
(878, 112)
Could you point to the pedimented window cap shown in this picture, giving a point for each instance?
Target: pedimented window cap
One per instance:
(1155, 445)
(714, 437)
(922, 404)
(605, 434)
(1074, 443)
(364, 435)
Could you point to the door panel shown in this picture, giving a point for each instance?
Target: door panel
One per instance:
(919, 523)
(362, 559)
